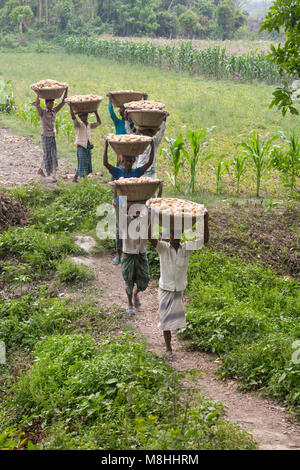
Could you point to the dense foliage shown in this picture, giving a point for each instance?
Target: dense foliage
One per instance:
(251, 318)
(167, 18)
(285, 15)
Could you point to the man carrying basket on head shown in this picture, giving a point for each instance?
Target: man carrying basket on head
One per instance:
(126, 171)
(48, 118)
(83, 142)
(174, 260)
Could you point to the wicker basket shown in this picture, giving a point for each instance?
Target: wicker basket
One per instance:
(85, 106)
(171, 221)
(146, 118)
(130, 149)
(137, 192)
(125, 96)
(49, 93)
(131, 105)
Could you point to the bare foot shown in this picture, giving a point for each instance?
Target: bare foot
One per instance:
(40, 172)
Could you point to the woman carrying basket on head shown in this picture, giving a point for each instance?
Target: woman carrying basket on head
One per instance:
(174, 261)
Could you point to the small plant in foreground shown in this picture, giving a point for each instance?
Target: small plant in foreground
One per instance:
(287, 161)
(197, 143)
(71, 273)
(174, 155)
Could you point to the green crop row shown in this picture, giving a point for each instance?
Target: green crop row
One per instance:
(210, 62)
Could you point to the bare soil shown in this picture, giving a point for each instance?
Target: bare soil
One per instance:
(20, 159)
(11, 212)
(255, 235)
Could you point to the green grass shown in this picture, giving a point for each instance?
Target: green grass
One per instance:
(71, 273)
(250, 317)
(193, 102)
(79, 395)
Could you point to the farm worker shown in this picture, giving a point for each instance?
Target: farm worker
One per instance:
(120, 129)
(174, 260)
(157, 135)
(48, 118)
(83, 142)
(126, 172)
(135, 267)
(119, 122)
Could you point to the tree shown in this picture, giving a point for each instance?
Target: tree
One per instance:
(225, 19)
(284, 15)
(168, 24)
(189, 23)
(229, 19)
(21, 15)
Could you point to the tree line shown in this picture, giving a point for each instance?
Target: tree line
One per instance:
(218, 19)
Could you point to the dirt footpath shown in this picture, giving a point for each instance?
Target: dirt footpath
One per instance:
(20, 160)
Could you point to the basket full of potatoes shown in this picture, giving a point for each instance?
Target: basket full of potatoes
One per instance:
(173, 212)
(85, 103)
(49, 89)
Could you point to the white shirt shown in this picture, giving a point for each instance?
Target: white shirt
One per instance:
(83, 132)
(134, 240)
(174, 264)
(143, 158)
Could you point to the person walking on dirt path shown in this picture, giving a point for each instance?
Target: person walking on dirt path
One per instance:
(157, 135)
(174, 260)
(48, 118)
(126, 172)
(119, 122)
(134, 261)
(83, 142)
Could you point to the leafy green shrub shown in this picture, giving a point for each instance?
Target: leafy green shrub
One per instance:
(40, 250)
(153, 260)
(77, 387)
(24, 321)
(33, 196)
(250, 317)
(267, 364)
(70, 272)
(73, 209)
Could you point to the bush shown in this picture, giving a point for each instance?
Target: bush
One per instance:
(250, 317)
(81, 396)
(26, 320)
(39, 250)
(74, 209)
(70, 272)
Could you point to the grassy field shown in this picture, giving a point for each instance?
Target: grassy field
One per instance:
(234, 108)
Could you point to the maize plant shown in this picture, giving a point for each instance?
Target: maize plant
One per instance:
(211, 62)
(174, 155)
(259, 152)
(197, 143)
(287, 161)
(239, 165)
